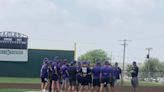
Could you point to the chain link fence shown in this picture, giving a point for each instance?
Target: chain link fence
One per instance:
(146, 76)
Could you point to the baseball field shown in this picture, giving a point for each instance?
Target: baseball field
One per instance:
(11, 84)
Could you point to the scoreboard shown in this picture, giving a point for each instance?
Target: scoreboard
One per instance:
(13, 40)
(13, 46)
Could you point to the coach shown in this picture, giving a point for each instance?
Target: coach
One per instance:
(134, 74)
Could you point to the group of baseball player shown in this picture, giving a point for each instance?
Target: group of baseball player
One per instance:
(63, 76)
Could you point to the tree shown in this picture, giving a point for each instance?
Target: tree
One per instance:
(152, 68)
(94, 55)
(162, 69)
(162, 66)
(128, 70)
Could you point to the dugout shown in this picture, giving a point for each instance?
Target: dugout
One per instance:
(31, 68)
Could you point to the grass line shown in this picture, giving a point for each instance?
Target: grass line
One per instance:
(19, 80)
(143, 83)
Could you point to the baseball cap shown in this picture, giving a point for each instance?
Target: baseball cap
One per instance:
(45, 60)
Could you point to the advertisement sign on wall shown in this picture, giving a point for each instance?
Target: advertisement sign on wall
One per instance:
(14, 55)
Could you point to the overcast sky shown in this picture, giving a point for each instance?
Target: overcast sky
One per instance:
(93, 24)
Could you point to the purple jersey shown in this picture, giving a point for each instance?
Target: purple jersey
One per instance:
(96, 72)
(117, 72)
(106, 71)
(44, 71)
(78, 69)
(72, 72)
(58, 66)
(54, 68)
(64, 70)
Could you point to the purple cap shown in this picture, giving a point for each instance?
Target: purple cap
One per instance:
(134, 62)
(84, 63)
(106, 63)
(45, 60)
(72, 63)
(98, 63)
(79, 63)
(65, 61)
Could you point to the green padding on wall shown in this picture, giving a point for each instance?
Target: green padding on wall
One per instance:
(32, 67)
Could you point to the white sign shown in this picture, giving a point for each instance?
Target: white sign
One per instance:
(14, 55)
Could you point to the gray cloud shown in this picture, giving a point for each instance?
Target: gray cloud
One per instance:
(88, 21)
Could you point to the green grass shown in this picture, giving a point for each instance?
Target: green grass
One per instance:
(18, 90)
(12, 90)
(142, 83)
(19, 80)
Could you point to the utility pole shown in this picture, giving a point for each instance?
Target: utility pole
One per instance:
(124, 52)
(75, 51)
(148, 49)
(148, 57)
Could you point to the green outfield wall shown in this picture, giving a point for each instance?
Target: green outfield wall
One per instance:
(32, 67)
